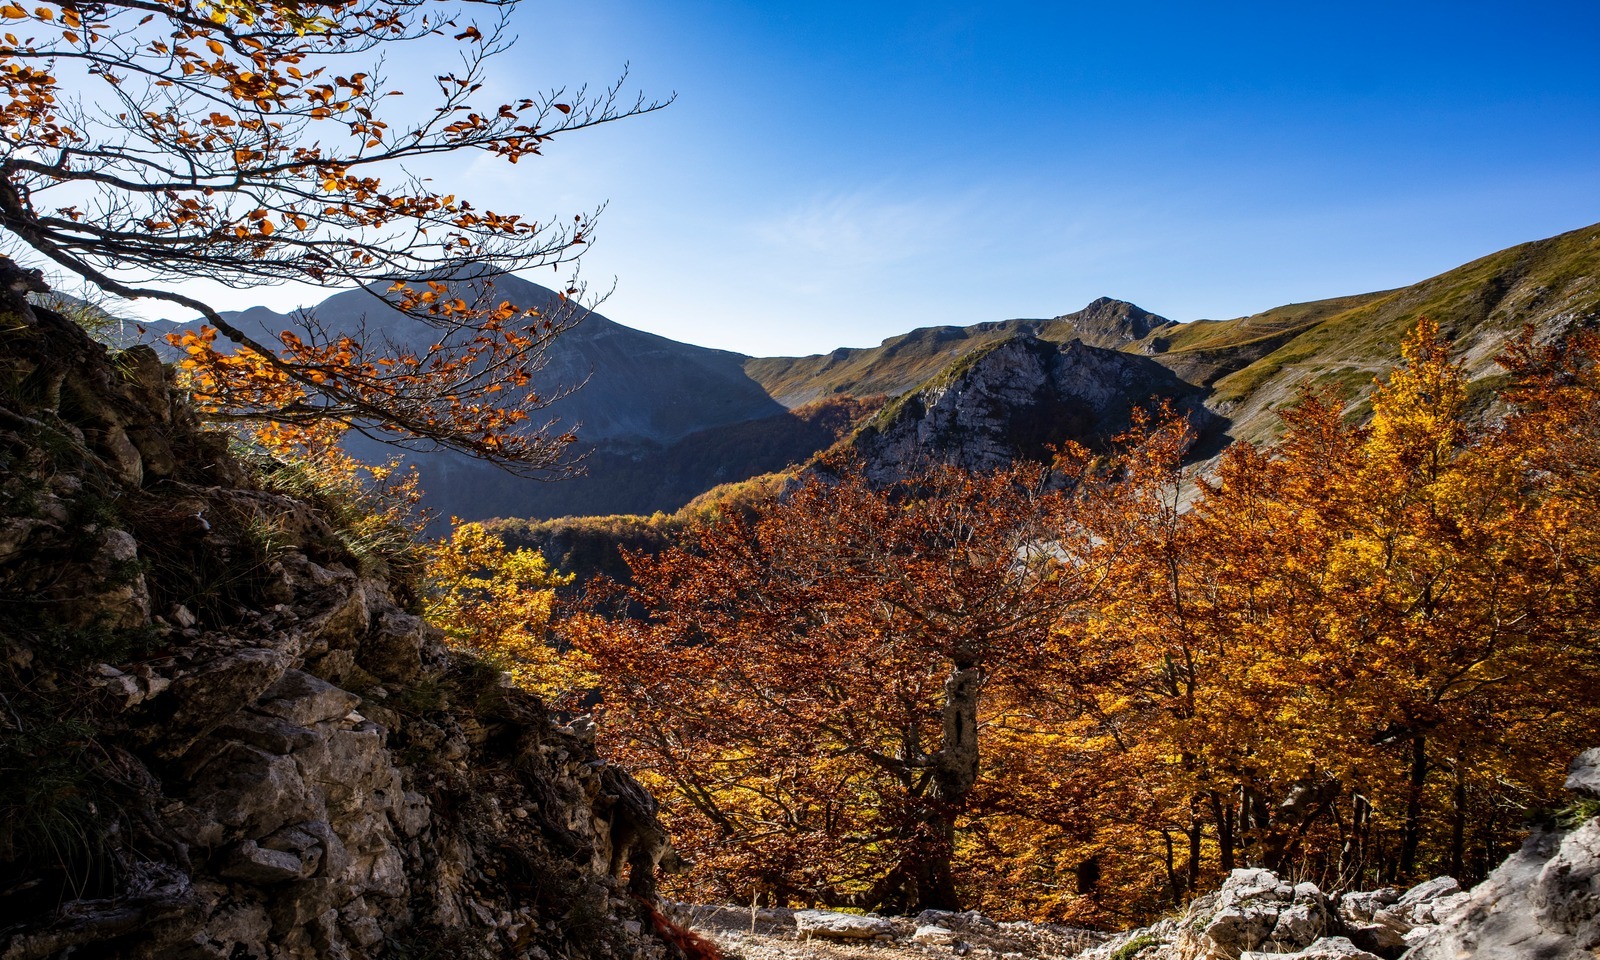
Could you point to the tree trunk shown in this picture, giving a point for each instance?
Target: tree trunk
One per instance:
(1194, 852)
(1353, 860)
(1223, 815)
(955, 773)
(1458, 828)
(1411, 835)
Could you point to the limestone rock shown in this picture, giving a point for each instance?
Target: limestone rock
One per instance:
(827, 925)
(301, 699)
(254, 864)
(1327, 948)
(259, 814)
(1543, 903)
(1022, 395)
(933, 935)
(1584, 777)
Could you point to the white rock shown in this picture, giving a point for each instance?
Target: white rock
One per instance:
(932, 934)
(839, 926)
(1328, 948)
(1585, 774)
(1428, 891)
(1300, 924)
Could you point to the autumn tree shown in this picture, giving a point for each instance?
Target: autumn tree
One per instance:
(810, 688)
(808, 685)
(496, 603)
(253, 142)
(1354, 658)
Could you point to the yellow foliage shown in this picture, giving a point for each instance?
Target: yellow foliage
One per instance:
(496, 603)
(1358, 659)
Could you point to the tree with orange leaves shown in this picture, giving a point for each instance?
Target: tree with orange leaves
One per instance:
(252, 142)
(814, 689)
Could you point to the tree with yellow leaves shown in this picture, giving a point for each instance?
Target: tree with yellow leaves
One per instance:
(496, 603)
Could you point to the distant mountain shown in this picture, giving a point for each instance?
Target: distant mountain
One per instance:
(658, 421)
(664, 420)
(634, 385)
(904, 362)
(1019, 398)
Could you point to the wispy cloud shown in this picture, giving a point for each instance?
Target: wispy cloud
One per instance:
(864, 229)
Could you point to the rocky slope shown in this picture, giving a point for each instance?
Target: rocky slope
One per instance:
(1016, 399)
(905, 362)
(227, 734)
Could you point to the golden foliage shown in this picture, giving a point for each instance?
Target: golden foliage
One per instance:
(251, 142)
(496, 604)
(1357, 657)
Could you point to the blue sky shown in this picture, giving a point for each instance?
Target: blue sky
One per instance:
(835, 173)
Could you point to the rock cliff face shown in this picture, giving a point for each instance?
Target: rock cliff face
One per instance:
(1016, 399)
(227, 734)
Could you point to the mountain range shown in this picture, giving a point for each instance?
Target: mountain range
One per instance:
(663, 421)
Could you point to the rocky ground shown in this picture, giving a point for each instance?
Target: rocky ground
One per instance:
(766, 934)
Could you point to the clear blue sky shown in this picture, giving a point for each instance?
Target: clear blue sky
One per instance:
(834, 173)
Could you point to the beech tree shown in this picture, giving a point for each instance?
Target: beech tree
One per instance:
(1364, 648)
(495, 603)
(818, 691)
(148, 142)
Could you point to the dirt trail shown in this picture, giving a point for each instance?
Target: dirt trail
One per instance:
(769, 934)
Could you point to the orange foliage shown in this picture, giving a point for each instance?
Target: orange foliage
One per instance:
(252, 142)
(1357, 657)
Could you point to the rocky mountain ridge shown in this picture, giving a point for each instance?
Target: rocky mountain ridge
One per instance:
(228, 734)
(1018, 398)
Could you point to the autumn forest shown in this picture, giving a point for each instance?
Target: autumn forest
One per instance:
(1059, 619)
(1085, 691)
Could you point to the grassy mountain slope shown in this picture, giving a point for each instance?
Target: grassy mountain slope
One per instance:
(1250, 365)
(1255, 363)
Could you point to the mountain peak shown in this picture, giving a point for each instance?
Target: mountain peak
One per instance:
(1107, 322)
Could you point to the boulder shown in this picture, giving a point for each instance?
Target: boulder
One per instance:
(1543, 903)
(933, 935)
(1300, 924)
(1327, 948)
(301, 699)
(828, 925)
(1584, 776)
(1247, 913)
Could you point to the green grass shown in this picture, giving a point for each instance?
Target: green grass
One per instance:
(1578, 813)
(1131, 949)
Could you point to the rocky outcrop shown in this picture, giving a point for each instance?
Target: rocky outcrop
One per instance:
(228, 734)
(1017, 398)
(1257, 914)
(1543, 903)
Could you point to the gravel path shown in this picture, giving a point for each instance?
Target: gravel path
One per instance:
(769, 934)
